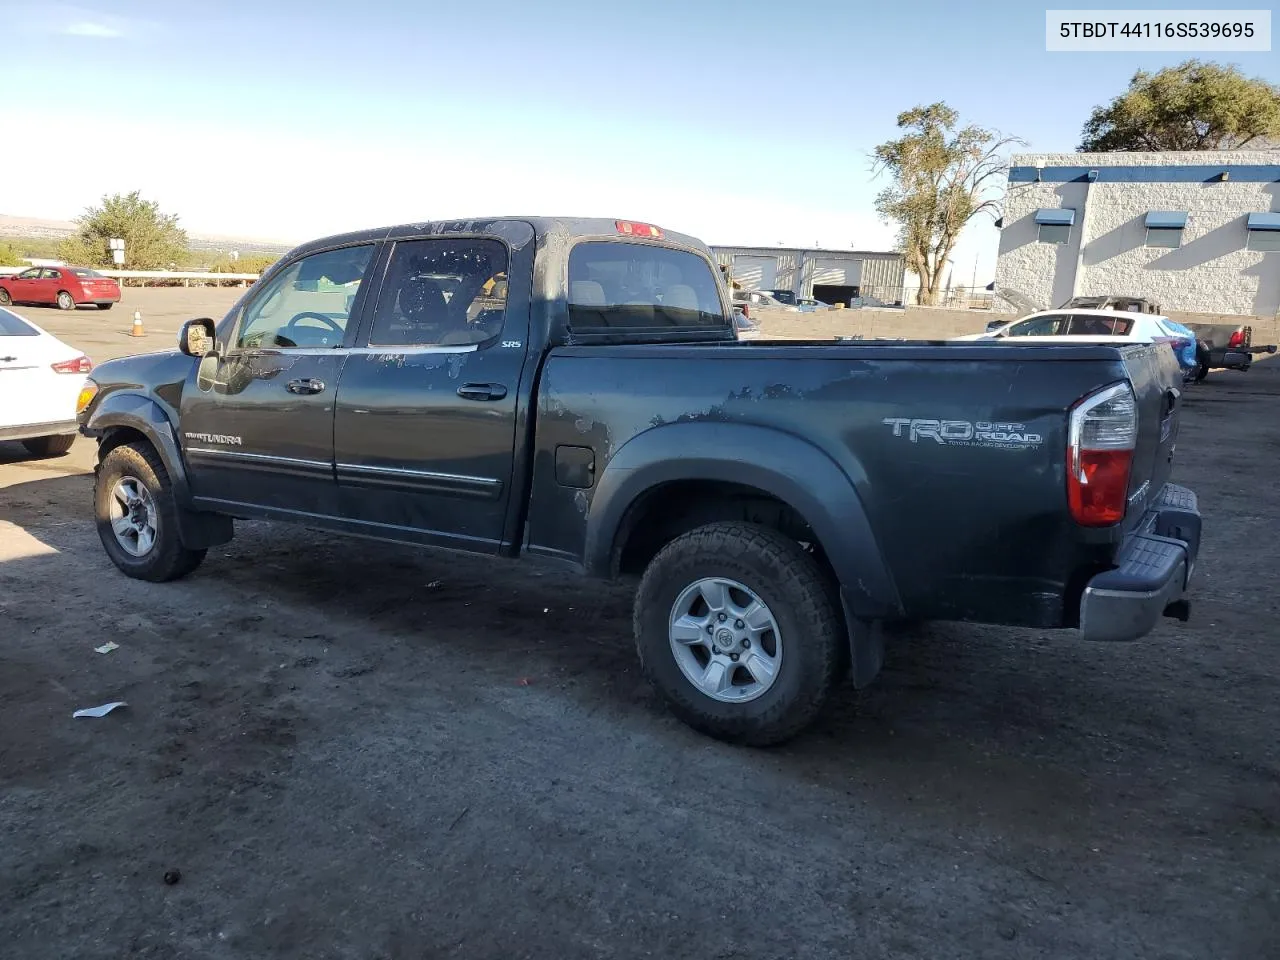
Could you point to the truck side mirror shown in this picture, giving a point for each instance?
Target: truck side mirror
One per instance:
(196, 338)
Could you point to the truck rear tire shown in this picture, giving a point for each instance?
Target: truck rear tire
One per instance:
(1202, 365)
(137, 517)
(737, 629)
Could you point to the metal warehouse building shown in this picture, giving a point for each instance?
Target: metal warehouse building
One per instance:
(832, 276)
(1194, 231)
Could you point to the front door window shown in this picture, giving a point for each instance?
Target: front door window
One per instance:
(308, 304)
(1046, 326)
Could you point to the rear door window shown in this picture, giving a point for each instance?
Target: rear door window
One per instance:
(442, 293)
(618, 287)
(1086, 326)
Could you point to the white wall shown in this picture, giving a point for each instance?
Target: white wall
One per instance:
(1212, 272)
(1041, 271)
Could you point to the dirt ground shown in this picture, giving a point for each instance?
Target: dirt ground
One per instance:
(355, 751)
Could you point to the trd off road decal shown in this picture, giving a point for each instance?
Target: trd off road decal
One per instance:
(965, 433)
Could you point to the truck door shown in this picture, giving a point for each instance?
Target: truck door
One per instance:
(26, 286)
(49, 284)
(425, 425)
(257, 420)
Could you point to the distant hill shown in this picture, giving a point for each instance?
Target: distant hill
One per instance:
(34, 228)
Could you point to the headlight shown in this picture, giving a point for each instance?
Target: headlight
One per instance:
(87, 393)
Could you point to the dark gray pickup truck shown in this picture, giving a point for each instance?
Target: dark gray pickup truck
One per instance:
(574, 391)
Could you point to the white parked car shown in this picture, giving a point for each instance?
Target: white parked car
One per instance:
(1078, 325)
(750, 300)
(40, 382)
(1067, 326)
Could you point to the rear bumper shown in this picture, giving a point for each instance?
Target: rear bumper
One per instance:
(1153, 571)
(1235, 358)
(28, 431)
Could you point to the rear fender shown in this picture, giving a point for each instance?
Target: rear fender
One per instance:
(780, 464)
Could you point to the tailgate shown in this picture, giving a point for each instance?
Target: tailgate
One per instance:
(1157, 381)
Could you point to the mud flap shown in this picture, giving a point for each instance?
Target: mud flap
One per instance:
(199, 531)
(866, 645)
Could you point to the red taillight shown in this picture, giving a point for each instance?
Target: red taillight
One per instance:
(1098, 488)
(1237, 339)
(78, 365)
(1102, 434)
(633, 229)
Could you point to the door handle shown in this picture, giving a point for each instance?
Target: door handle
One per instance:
(305, 386)
(482, 391)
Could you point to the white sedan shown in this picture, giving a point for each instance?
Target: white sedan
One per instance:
(40, 382)
(1077, 325)
(1080, 324)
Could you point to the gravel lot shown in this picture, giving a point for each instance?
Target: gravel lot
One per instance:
(356, 751)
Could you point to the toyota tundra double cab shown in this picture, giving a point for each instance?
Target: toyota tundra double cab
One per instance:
(574, 391)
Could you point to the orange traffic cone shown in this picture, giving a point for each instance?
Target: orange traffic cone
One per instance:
(137, 325)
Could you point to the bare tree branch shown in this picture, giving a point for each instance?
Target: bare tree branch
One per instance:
(942, 178)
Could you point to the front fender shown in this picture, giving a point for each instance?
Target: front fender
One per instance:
(142, 413)
(780, 464)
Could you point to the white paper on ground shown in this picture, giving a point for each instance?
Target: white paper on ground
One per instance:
(101, 711)
(107, 647)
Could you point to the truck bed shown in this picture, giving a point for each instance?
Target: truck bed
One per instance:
(956, 451)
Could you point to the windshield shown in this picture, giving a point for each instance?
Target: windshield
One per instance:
(86, 273)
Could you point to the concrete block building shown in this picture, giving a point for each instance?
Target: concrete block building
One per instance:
(1196, 232)
(832, 276)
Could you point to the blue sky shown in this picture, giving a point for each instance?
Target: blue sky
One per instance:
(739, 122)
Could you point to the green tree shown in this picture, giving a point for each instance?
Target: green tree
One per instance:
(253, 263)
(1193, 106)
(152, 240)
(942, 179)
(9, 256)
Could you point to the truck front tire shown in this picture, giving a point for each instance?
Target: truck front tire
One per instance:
(137, 517)
(736, 627)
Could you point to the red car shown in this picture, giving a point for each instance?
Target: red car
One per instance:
(68, 287)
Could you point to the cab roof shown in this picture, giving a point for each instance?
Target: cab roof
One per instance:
(564, 228)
